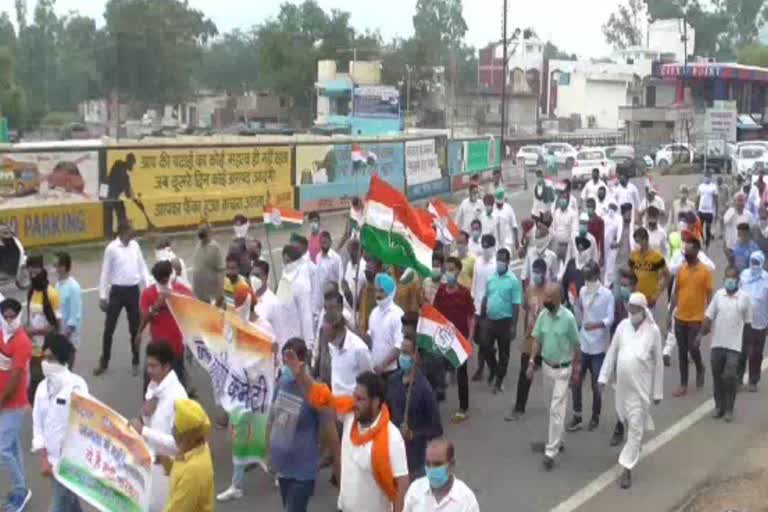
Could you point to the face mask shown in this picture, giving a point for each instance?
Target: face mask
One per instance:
(437, 273)
(405, 361)
(550, 306)
(637, 318)
(538, 279)
(731, 284)
(450, 278)
(590, 211)
(488, 253)
(682, 226)
(315, 227)
(489, 211)
(563, 203)
(625, 293)
(286, 375)
(707, 180)
(256, 283)
(14, 324)
(382, 302)
(472, 198)
(51, 369)
(755, 269)
(241, 230)
(164, 254)
(437, 476)
(592, 286)
(476, 236)
(653, 224)
(462, 251)
(501, 268)
(582, 230)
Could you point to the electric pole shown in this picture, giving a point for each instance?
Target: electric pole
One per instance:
(504, 80)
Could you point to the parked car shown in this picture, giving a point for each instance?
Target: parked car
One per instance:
(589, 159)
(565, 154)
(533, 155)
(750, 158)
(18, 178)
(672, 154)
(626, 160)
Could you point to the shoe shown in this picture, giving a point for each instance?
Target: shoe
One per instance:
(232, 493)
(680, 392)
(593, 424)
(222, 422)
(626, 479)
(717, 414)
(728, 417)
(575, 424)
(617, 438)
(667, 360)
(497, 388)
(18, 502)
(548, 463)
(752, 388)
(135, 370)
(478, 376)
(700, 379)
(99, 370)
(459, 417)
(491, 378)
(513, 415)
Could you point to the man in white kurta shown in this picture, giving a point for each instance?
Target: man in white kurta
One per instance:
(294, 295)
(635, 354)
(471, 208)
(612, 221)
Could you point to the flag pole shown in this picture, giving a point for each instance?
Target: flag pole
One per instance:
(271, 259)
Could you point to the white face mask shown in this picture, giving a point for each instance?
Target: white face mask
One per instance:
(256, 283)
(241, 231)
(51, 369)
(682, 226)
(592, 286)
(13, 325)
(488, 253)
(164, 254)
(637, 318)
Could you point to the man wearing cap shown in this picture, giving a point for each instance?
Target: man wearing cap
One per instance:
(754, 281)
(635, 355)
(15, 354)
(507, 221)
(543, 195)
(191, 472)
(385, 327)
(591, 187)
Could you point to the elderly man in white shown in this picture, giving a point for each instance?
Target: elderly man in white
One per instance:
(635, 354)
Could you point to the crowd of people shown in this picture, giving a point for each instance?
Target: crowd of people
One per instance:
(360, 393)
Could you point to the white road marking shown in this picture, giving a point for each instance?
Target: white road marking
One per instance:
(607, 478)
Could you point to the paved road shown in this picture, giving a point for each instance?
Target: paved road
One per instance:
(494, 457)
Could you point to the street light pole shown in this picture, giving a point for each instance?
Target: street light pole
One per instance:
(504, 81)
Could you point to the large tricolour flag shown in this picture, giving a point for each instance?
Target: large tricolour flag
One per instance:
(394, 231)
(448, 230)
(276, 216)
(436, 334)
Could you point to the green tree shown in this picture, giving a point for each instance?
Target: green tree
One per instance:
(551, 51)
(624, 27)
(12, 100)
(7, 32)
(230, 63)
(754, 55)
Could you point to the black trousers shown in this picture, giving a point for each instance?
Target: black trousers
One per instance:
(706, 219)
(497, 333)
(434, 370)
(725, 364)
(121, 297)
(116, 207)
(686, 333)
(523, 383)
(752, 347)
(462, 379)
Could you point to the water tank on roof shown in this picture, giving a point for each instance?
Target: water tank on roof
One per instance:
(365, 72)
(326, 70)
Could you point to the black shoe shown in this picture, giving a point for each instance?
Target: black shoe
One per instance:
(575, 424)
(728, 417)
(491, 378)
(626, 479)
(478, 376)
(135, 370)
(700, 379)
(718, 414)
(513, 415)
(593, 423)
(667, 360)
(617, 438)
(498, 388)
(548, 463)
(99, 370)
(752, 388)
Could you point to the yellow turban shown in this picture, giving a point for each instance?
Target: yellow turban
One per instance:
(190, 416)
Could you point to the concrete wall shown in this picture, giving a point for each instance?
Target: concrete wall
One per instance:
(665, 35)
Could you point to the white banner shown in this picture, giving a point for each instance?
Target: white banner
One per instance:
(421, 162)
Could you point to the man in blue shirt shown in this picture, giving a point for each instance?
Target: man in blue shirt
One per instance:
(596, 305)
(503, 296)
(71, 298)
(754, 281)
(294, 447)
(745, 246)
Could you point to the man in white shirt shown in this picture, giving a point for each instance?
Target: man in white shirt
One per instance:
(329, 269)
(294, 304)
(565, 220)
(507, 228)
(440, 490)
(157, 415)
(385, 327)
(736, 215)
(471, 208)
(591, 187)
(308, 270)
(707, 205)
(485, 268)
(489, 219)
(50, 414)
(350, 356)
(652, 198)
(626, 192)
(122, 272)
(354, 282)
(657, 235)
(540, 248)
(730, 310)
(475, 235)
(265, 303)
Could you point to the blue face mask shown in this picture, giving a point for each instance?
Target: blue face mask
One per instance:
(625, 293)
(582, 230)
(501, 267)
(450, 278)
(438, 476)
(286, 375)
(405, 361)
(538, 279)
(731, 284)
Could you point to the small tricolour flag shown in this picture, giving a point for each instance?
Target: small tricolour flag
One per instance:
(436, 334)
(362, 157)
(447, 230)
(276, 216)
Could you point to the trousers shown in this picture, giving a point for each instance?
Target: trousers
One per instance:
(11, 456)
(523, 383)
(589, 363)
(558, 380)
(752, 346)
(725, 365)
(296, 494)
(63, 500)
(121, 297)
(686, 333)
(497, 334)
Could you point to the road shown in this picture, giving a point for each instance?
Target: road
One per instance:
(494, 457)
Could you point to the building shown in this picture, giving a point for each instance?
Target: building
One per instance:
(356, 102)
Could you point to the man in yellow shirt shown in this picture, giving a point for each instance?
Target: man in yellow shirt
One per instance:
(192, 471)
(467, 274)
(43, 315)
(650, 268)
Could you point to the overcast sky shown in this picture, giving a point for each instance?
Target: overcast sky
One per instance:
(568, 23)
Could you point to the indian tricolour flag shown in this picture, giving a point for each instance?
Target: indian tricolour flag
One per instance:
(276, 216)
(394, 231)
(448, 230)
(436, 334)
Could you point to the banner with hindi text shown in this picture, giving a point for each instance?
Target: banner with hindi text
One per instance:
(103, 460)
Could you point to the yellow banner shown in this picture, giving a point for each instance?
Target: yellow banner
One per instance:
(179, 187)
(51, 225)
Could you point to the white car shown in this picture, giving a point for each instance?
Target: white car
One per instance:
(588, 159)
(565, 154)
(533, 156)
(750, 158)
(671, 154)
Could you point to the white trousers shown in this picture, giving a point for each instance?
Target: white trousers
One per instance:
(559, 380)
(636, 421)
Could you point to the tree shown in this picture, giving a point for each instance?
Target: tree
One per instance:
(551, 51)
(624, 27)
(230, 64)
(754, 55)
(7, 32)
(11, 95)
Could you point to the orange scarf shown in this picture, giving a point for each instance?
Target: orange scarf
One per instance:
(320, 396)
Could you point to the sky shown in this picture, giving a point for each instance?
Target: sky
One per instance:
(567, 23)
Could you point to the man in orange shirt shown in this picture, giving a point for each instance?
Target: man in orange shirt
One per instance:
(692, 293)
